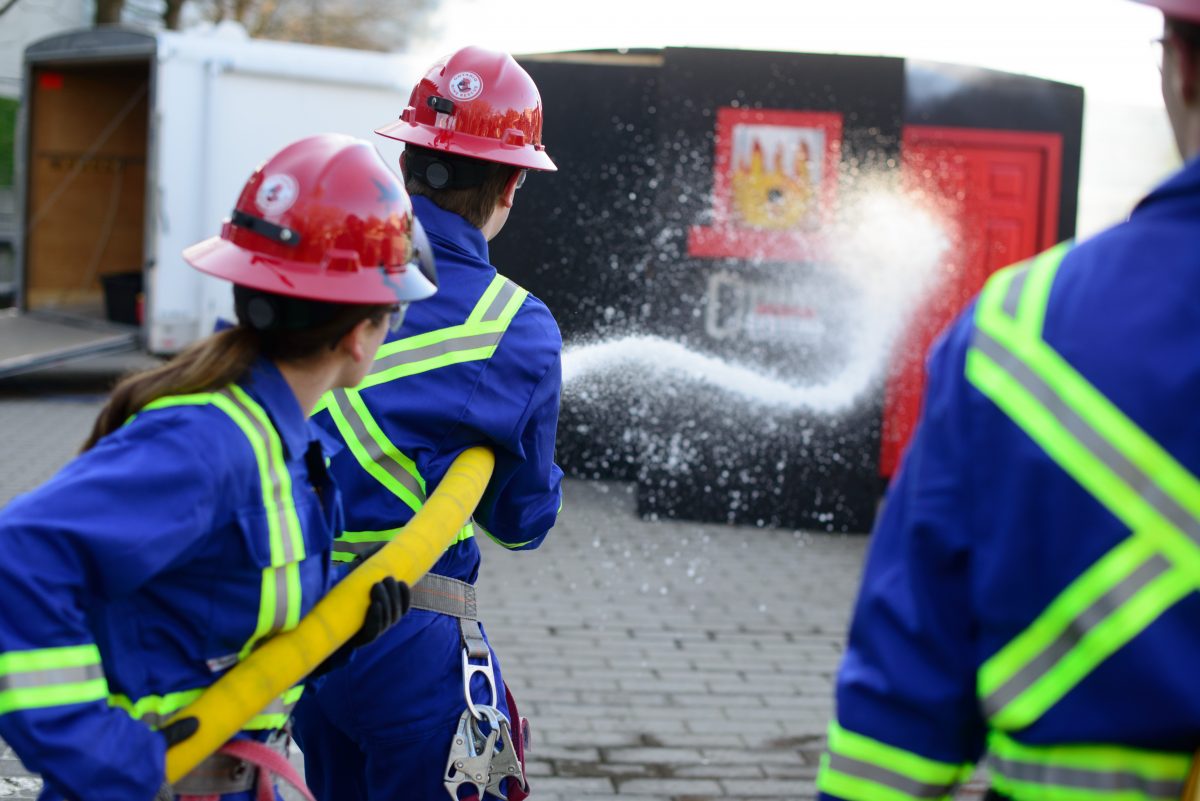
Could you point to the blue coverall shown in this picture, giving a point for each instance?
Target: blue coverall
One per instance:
(133, 579)
(381, 727)
(985, 530)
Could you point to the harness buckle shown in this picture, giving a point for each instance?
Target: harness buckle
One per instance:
(471, 753)
(470, 669)
(505, 764)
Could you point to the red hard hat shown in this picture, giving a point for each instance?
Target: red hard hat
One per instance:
(323, 219)
(1187, 10)
(476, 103)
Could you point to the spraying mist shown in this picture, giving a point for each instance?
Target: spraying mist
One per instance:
(885, 245)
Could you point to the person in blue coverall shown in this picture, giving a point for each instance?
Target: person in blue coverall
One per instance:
(199, 519)
(479, 365)
(1029, 599)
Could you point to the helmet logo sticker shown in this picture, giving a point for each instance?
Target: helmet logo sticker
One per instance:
(276, 194)
(466, 86)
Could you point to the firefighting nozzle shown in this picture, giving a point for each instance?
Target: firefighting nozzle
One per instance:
(470, 759)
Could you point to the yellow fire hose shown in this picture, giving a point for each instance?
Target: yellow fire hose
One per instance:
(290, 656)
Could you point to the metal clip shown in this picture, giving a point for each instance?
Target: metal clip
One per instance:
(505, 764)
(485, 670)
(471, 753)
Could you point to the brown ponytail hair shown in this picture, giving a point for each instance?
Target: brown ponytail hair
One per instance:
(222, 359)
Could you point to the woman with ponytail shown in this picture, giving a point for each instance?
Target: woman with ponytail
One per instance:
(199, 518)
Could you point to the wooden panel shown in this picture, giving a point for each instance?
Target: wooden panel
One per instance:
(87, 177)
(1000, 191)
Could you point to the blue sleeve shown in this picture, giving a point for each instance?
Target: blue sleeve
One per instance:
(103, 526)
(907, 716)
(517, 408)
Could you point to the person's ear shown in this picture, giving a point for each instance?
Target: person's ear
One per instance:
(1189, 66)
(510, 190)
(404, 164)
(356, 342)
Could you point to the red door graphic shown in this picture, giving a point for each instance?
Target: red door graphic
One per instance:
(999, 191)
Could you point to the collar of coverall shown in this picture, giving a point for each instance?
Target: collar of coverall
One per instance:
(1186, 182)
(272, 391)
(450, 231)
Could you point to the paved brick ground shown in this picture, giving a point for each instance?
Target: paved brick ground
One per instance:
(657, 660)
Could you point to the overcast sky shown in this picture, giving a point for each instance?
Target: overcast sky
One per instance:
(1103, 45)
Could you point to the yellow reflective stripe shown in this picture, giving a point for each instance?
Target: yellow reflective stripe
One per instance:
(859, 768)
(280, 591)
(474, 340)
(1031, 311)
(155, 710)
(450, 350)
(46, 677)
(36, 659)
(279, 606)
(511, 308)
(1118, 463)
(1075, 772)
(1083, 593)
(485, 301)
(284, 502)
(353, 544)
(373, 451)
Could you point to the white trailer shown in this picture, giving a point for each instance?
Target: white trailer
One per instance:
(133, 145)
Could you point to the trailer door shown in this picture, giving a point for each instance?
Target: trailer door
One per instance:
(81, 239)
(999, 191)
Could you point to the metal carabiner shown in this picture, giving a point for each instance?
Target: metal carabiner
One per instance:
(505, 764)
(471, 752)
(485, 670)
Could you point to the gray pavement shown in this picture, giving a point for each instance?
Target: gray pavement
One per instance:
(656, 660)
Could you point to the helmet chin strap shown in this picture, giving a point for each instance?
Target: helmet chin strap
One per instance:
(276, 233)
(441, 171)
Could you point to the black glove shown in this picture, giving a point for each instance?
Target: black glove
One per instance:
(390, 599)
(174, 733)
(177, 731)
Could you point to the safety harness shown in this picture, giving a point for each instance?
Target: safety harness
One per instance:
(242, 765)
(483, 752)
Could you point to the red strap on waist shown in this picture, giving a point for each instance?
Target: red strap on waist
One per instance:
(270, 763)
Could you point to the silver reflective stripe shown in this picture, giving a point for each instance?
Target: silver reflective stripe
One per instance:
(498, 303)
(356, 548)
(50, 677)
(390, 465)
(1088, 619)
(1098, 780)
(436, 349)
(888, 778)
(1012, 299)
(1087, 436)
(274, 470)
(279, 575)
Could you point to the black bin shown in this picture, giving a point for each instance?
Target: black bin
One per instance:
(121, 291)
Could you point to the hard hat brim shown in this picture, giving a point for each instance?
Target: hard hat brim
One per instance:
(527, 157)
(370, 285)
